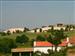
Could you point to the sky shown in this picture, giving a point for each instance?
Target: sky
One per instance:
(33, 14)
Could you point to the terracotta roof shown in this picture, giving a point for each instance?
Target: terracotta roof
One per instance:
(43, 44)
(64, 43)
(22, 50)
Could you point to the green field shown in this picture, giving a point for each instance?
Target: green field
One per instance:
(33, 35)
(30, 35)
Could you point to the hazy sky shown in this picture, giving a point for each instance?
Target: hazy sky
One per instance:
(36, 13)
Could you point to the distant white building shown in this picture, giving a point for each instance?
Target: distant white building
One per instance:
(59, 28)
(47, 28)
(14, 30)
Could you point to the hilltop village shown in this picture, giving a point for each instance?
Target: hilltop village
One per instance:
(42, 29)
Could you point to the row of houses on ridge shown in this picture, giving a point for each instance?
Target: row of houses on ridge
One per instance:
(44, 28)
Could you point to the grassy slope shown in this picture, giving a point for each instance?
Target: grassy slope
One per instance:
(70, 33)
(13, 36)
(31, 36)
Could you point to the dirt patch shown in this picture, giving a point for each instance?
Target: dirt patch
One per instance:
(71, 52)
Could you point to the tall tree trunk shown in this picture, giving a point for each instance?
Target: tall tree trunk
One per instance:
(52, 48)
(56, 48)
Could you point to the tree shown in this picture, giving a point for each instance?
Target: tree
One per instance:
(22, 39)
(69, 27)
(3, 33)
(56, 37)
(18, 31)
(26, 29)
(6, 45)
(40, 30)
(40, 38)
(51, 30)
(8, 32)
(35, 30)
(25, 38)
(32, 42)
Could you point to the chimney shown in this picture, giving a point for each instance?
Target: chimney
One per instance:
(34, 43)
(67, 39)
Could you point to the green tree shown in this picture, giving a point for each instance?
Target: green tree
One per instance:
(51, 30)
(18, 31)
(6, 45)
(40, 30)
(35, 30)
(3, 33)
(26, 29)
(32, 42)
(69, 27)
(8, 32)
(22, 39)
(40, 38)
(56, 37)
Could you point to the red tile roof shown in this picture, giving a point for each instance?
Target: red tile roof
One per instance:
(45, 43)
(64, 43)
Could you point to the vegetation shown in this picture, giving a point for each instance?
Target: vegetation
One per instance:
(40, 30)
(69, 27)
(6, 45)
(26, 29)
(18, 31)
(40, 38)
(8, 32)
(3, 34)
(22, 39)
(55, 37)
(28, 38)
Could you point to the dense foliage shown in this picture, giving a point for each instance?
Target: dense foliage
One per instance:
(55, 37)
(22, 39)
(40, 38)
(6, 45)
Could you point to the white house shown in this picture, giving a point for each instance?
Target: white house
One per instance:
(45, 29)
(43, 46)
